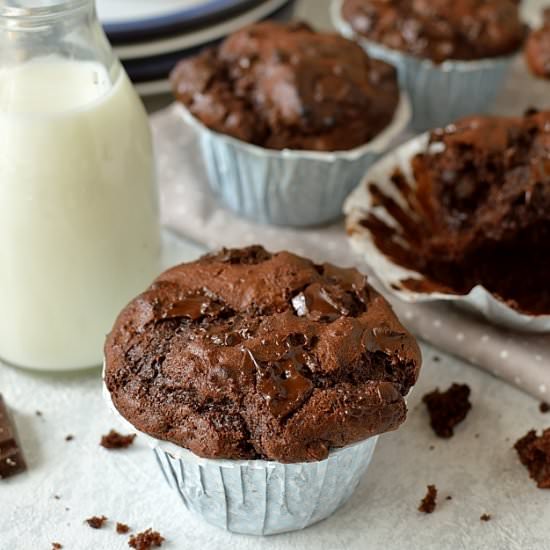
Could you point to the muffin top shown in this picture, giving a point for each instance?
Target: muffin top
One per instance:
(439, 29)
(480, 210)
(537, 48)
(285, 86)
(245, 354)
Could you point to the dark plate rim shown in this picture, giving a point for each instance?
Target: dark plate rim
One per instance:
(178, 21)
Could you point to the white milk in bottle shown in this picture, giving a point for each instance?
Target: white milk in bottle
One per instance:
(79, 234)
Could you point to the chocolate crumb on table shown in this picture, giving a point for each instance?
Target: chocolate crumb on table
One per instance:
(146, 540)
(122, 528)
(448, 408)
(436, 358)
(485, 517)
(544, 407)
(56, 546)
(38, 413)
(69, 437)
(534, 454)
(428, 503)
(115, 440)
(448, 497)
(96, 522)
(11, 456)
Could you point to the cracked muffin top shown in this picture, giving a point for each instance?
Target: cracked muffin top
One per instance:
(440, 29)
(245, 354)
(285, 86)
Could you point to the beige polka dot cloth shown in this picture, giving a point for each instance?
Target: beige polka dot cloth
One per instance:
(188, 206)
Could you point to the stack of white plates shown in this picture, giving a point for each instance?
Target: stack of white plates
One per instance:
(150, 37)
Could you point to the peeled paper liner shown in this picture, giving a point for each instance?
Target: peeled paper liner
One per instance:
(390, 274)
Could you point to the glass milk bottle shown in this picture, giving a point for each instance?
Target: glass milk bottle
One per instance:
(79, 233)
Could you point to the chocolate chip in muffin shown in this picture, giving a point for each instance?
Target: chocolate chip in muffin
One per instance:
(96, 522)
(448, 408)
(115, 440)
(429, 502)
(534, 453)
(283, 359)
(146, 540)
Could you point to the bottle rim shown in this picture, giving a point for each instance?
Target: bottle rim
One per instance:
(39, 9)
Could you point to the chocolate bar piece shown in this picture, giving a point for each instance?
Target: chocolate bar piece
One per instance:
(11, 456)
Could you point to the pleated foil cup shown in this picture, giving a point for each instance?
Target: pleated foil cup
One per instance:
(439, 93)
(288, 187)
(390, 274)
(259, 497)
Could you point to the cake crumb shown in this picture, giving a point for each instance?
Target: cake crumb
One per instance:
(122, 528)
(56, 546)
(544, 407)
(448, 497)
(534, 453)
(436, 359)
(69, 437)
(485, 517)
(96, 522)
(115, 440)
(428, 503)
(146, 540)
(448, 408)
(38, 413)
(57, 497)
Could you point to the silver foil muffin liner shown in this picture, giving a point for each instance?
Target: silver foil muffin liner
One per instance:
(390, 274)
(439, 93)
(288, 187)
(259, 497)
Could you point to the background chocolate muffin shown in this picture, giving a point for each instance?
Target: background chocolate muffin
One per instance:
(287, 86)
(245, 354)
(439, 29)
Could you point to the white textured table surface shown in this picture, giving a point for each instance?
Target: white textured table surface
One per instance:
(482, 474)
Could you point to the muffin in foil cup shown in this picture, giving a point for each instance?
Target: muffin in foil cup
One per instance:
(259, 497)
(439, 93)
(288, 187)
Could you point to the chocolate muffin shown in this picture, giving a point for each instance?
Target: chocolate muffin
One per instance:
(479, 212)
(285, 86)
(439, 30)
(245, 354)
(537, 49)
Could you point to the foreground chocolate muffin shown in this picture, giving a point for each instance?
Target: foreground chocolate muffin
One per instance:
(479, 212)
(245, 354)
(439, 29)
(285, 86)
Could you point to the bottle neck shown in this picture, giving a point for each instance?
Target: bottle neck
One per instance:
(39, 14)
(63, 28)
